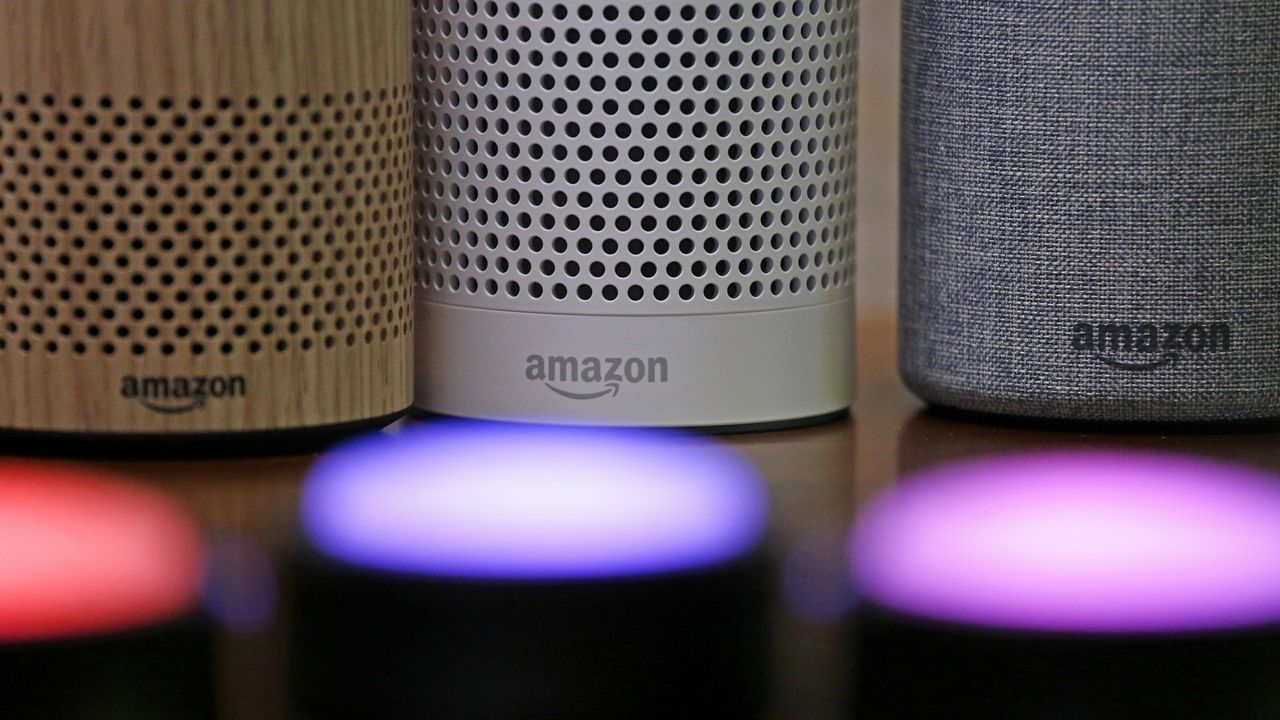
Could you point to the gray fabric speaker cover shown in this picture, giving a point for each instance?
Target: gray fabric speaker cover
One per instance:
(1091, 207)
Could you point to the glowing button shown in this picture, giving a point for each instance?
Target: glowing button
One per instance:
(83, 553)
(1092, 542)
(489, 501)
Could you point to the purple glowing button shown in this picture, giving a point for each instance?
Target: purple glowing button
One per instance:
(488, 501)
(1087, 542)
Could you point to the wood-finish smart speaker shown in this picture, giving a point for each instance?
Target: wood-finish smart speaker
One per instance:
(635, 213)
(1090, 208)
(204, 217)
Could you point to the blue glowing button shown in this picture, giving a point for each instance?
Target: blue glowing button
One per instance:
(491, 501)
(563, 572)
(1090, 542)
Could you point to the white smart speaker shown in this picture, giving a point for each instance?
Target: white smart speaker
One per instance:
(635, 213)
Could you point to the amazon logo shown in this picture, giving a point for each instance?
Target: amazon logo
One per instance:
(183, 394)
(1147, 347)
(594, 378)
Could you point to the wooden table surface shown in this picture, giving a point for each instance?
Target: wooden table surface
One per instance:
(818, 478)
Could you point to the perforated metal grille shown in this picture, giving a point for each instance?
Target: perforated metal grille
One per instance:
(635, 157)
(195, 226)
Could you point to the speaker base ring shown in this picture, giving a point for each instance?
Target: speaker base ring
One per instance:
(744, 429)
(1062, 410)
(174, 446)
(1105, 427)
(728, 372)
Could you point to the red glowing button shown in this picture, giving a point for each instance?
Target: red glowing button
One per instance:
(82, 553)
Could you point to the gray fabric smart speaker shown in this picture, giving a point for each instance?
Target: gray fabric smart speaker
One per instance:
(1091, 208)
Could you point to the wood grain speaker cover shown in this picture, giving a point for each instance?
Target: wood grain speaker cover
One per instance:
(204, 215)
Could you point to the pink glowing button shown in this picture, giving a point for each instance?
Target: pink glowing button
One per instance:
(1091, 542)
(83, 554)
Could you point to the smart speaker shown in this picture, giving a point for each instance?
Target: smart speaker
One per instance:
(635, 213)
(1107, 585)
(99, 600)
(1090, 223)
(487, 572)
(204, 218)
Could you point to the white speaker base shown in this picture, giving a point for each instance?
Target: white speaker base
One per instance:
(737, 369)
